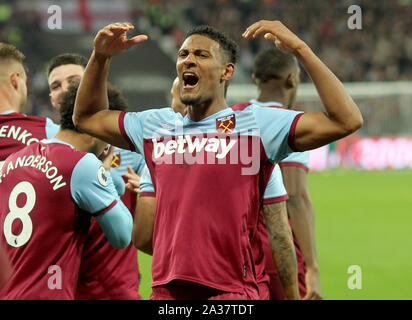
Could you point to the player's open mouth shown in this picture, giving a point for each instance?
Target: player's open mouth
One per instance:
(190, 80)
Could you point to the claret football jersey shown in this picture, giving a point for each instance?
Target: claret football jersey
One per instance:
(295, 159)
(5, 267)
(19, 130)
(49, 192)
(275, 192)
(209, 178)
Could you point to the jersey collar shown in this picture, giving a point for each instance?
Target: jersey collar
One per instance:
(212, 116)
(54, 140)
(8, 112)
(266, 104)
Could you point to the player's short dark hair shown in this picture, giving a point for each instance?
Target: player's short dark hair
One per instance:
(8, 51)
(116, 102)
(271, 63)
(228, 46)
(66, 58)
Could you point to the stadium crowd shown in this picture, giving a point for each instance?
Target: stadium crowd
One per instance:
(380, 51)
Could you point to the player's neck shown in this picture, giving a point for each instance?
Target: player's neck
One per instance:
(7, 104)
(274, 96)
(5, 108)
(206, 109)
(78, 140)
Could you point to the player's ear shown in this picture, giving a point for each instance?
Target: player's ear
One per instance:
(291, 81)
(14, 80)
(254, 79)
(227, 72)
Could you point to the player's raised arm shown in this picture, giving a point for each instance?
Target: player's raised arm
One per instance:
(90, 112)
(342, 116)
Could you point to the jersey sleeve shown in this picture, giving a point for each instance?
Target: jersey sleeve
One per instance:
(117, 225)
(146, 184)
(51, 128)
(131, 126)
(93, 190)
(90, 186)
(275, 190)
(277, 131)
(297, 159)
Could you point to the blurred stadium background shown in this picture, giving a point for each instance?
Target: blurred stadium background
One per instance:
(360, 185)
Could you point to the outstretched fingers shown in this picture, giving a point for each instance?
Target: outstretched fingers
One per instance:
(250, 31)
(137, 39)
(124, 26)
(261, 26)
(120, 28)
(112, 39)
(276, 32)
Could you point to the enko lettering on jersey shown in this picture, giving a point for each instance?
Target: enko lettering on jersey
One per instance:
(40, 163)
(17, 133)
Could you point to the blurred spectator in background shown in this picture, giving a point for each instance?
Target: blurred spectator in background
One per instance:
(380, 51)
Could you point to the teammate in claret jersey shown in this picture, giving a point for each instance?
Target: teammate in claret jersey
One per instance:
(274, 243)
(277, 76)
(208, 253)
(16, 129)
(105, 272)
(52, 189)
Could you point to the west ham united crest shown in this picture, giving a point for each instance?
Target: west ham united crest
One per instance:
(116, 160)
(226, 124)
